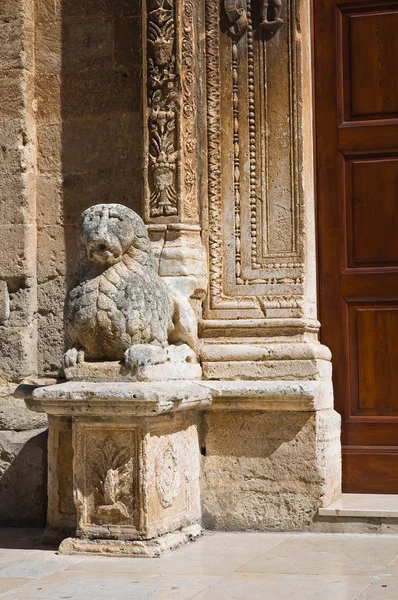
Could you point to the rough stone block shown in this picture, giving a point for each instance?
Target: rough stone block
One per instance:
(23, 304)
(82, 191)
(56, 249)
(100, 91)
(105, 143)
(49, 149)
(4, 303)
(18, 353)
(17, 190)
(49, 200)
(87, 42)
(14, 416)
(23, 466)
(267, 471)
(48, 45)
(12, 94)
(127, 43)
(17, 251)
(48, 12)
(16, 44)
(17, 149)
(48, 97)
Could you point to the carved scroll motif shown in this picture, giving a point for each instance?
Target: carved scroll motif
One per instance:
(162, 100)
(264, 269)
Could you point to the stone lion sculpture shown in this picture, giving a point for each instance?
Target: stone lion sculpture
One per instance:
(120, 308)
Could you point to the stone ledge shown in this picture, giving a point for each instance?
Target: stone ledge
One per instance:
(151, 399)
(116, 399)
(363, 506)
(270, 395)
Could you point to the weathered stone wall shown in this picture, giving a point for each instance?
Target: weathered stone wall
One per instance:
(89, 126)
(70, 131)
(22, 437)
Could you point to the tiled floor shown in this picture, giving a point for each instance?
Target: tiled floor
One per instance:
(221, 566)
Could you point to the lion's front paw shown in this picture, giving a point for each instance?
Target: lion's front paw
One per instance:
(144, 354)
(73, 357)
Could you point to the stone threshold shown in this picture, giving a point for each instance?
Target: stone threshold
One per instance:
(363, 506)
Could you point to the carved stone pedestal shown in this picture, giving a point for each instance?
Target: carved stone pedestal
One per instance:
(136, 464)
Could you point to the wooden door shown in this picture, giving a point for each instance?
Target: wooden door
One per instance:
(356, 95)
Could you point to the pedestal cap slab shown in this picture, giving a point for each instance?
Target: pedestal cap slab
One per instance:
(116, 399)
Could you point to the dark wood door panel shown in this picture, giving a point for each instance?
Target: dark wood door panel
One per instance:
(352, 137)
(371, 186)
(373, 356)
(369, 45)
(356, 93)
(370, 472)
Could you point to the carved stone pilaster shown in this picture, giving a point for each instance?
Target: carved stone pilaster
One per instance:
(256, 205)
(171, 151)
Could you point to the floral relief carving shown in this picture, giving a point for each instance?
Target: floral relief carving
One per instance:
(167, 474)
(171, 81)
(112, 474)
(163, 102)
(189, 108)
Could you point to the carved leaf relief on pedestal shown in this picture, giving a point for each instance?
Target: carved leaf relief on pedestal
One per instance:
(112, 483)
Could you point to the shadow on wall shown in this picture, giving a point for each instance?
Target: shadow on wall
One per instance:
(23, 478)
(89, 127)
(259, 470)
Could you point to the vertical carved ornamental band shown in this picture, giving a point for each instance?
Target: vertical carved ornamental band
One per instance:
(171, 111)
(253, 189)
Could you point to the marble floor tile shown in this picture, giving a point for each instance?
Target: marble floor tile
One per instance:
(383, 588)
(218, 554)
(257, 586)
(34, 563)
(328, 554)
(392, 568)
(9, 583)
(106, 586)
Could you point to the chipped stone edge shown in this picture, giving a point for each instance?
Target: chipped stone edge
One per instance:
(134, 548)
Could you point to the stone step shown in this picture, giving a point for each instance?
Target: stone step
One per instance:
(359, 513)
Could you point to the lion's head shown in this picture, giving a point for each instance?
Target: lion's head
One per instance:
(109, 231)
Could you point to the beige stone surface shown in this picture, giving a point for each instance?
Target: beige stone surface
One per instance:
(216, 566)
(268, 470)
(133, 549)
(23, 466)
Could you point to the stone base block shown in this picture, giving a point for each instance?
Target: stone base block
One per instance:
(269, 471)
(137, 548)
(124, 463)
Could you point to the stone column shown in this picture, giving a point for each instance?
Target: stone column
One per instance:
(171, 147)
(22, 442)
(269, 469)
